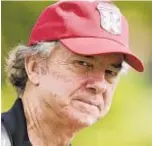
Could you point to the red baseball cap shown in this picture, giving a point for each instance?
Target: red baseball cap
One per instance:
(86, 28)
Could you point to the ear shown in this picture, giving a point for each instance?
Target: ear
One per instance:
(32, 70)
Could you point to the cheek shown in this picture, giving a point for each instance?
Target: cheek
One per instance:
(108, 95)
(59, 84)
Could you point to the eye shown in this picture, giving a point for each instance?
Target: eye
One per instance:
(84, 64)
(111, 73)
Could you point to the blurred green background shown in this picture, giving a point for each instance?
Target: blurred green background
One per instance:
(129, 122)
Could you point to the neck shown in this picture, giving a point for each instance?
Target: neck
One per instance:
(48, 135)
(44, 128)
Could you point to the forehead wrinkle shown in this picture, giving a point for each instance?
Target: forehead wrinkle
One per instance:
(67, 54)
(62, 54)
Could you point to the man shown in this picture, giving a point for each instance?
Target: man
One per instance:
(66, 76)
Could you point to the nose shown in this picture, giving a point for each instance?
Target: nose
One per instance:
(97, 85)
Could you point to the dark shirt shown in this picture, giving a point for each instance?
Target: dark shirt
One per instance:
(15, 124)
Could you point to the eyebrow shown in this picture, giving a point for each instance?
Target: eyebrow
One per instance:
(117, 66)
(90, 57)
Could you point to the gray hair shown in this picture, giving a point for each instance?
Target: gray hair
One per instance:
(125, 68)
(15, 67)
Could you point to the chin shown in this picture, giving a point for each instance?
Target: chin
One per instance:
(88, 121)
(82, 120)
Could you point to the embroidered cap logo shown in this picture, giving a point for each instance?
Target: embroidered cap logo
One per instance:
(110, 18)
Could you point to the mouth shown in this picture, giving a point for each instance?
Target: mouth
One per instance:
(90, 103)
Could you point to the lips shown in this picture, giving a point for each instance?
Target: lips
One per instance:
(92, 103)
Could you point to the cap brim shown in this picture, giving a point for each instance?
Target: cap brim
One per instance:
(95, 46)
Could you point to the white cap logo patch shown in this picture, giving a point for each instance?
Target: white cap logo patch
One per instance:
(110, 18)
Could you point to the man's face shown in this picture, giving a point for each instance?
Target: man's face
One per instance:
(78, 89)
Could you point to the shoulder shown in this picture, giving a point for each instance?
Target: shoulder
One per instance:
(5, 140)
